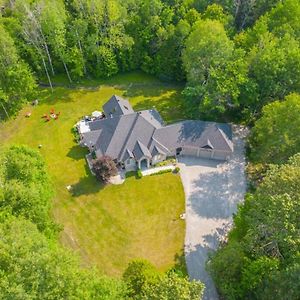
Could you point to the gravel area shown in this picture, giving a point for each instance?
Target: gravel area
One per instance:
(213, 190)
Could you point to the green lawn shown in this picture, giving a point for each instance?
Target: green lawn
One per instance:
(107, 226)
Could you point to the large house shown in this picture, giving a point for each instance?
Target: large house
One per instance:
(141, 139)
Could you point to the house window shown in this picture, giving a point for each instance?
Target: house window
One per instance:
(178, 151)
(129, 161)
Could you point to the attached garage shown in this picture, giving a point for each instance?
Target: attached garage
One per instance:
(205, 153)
(220, 155)
(189, 151)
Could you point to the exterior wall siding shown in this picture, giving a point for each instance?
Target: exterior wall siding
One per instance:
(130, 165)
(221, 155)
(156, 159)
(189, 151)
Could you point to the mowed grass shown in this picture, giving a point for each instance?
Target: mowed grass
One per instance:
(107, 225)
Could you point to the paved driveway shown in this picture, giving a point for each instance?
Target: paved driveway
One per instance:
(212, 189)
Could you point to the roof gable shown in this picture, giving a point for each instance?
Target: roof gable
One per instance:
(140, 150)
(156, 150)
(207, 145)
(117, 106)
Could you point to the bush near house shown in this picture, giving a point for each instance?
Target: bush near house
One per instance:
(162, 172)
(168, 161)
(176, 170)
(104, 168)
(76, 134)
(139, 174)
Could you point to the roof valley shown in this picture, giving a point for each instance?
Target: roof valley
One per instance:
(123, 149)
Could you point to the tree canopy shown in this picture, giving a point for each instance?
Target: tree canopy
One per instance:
(233, 56)
(275, 136)
(261, 257)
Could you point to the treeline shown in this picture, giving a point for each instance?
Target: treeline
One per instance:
(261, 258)
(235, 56)
(33, 264)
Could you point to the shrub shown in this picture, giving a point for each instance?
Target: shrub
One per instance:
(162, 172)
(104, 167)
(169, 161)
(176, 170)
(76, 134)
(139, 174)
(130, 174)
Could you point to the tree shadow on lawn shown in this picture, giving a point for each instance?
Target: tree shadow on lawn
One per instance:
(77, 152)
(87, 185)
(180, 264)
(147, 89)
(61, 94)
(171, 108)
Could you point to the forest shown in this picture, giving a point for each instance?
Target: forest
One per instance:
(234, 57)
(239, 61)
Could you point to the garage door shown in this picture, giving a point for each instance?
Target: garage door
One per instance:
(220, 155)
(205, 153)
(189, 151)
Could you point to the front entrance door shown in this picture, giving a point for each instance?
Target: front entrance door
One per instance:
(144, 163)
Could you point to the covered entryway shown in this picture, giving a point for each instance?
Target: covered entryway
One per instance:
(144, 163)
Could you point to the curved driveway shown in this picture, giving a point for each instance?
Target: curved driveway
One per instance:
(212, 190)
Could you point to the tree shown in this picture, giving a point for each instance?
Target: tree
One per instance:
(226, 267)
(172, 286)
(145, 282)
(168, 59)
(104, 167)
(261, 258)
(215, 70)
(274, 67)
(137, 275)
(33, 267)
(275, 136)
(53, 18)
(26, 188)
(248, 11)
(36, 45)
(16, 80)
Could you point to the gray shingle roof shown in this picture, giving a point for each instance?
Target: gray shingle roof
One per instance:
(140, 150)
(142, 133)
(195, 134)
(117, 106)
(156, 150)
(128, 154)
